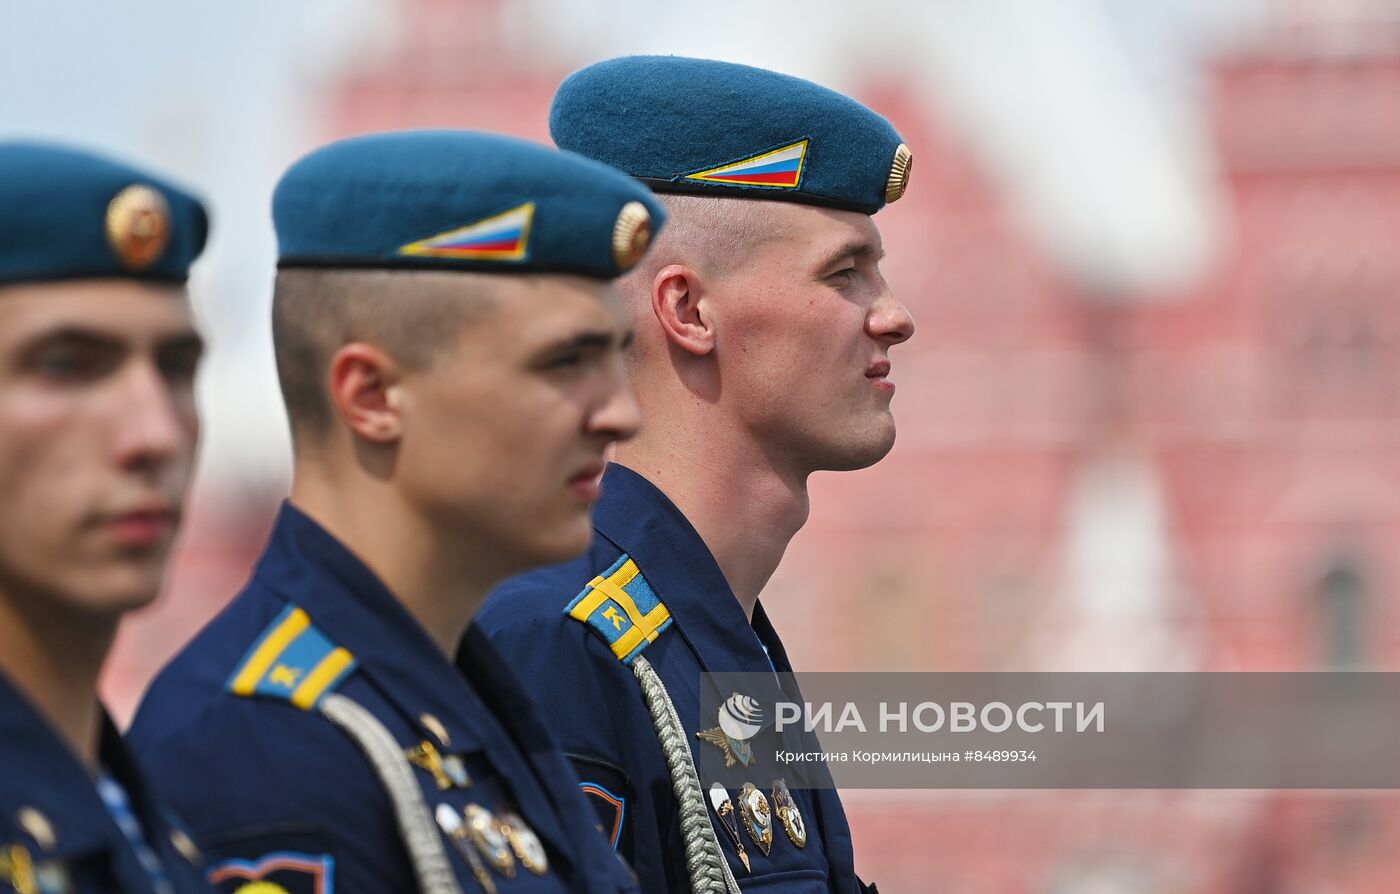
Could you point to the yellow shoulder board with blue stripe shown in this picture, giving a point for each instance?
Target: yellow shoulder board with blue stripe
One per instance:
(621, 607)
(293, 662)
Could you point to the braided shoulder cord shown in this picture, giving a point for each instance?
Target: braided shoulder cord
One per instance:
(416, 825)
(709, 871)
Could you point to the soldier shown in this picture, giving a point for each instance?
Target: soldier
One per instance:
(762, 355)
(97, 439)
(448, 344)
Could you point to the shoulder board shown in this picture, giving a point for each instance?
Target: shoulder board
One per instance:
(293, 662)
(621, 607)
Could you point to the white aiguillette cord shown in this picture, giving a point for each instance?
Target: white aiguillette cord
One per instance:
(709, 870)
(417, 826)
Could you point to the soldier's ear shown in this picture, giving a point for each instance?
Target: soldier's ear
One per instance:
(681, 306)
(363, 384)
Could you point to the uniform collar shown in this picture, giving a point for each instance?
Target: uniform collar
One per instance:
(305, 564)
(502, 691)
(42, 772)
(349, 604)
(768, 636)
(641, 521)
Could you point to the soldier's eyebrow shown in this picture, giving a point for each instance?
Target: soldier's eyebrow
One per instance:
(600, 339)
(191, 342)
(71, 337)
(591, 340)
(855, 249)
(78, 336)
(74, 334)
(95, 342)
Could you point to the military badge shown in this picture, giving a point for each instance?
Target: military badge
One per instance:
(278, 872)
(23, 875)
(184, 845)
(17, 869)
(622, 608)
(740, 719)
(486, 834)
(456, 771)
(631, 234)
(611, 810)
(447, 771)
(53, 877)
(780, 168)
(899, 173)
(758, 817)
(787, 811)
(456, 831)
(529, 850)
(292, 661)
(434, 726)
(37, 826)
(724, 809)
(138, 226)
(501, 237)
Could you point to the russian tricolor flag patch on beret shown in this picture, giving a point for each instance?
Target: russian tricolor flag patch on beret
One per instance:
(502, 237)
(780, 168)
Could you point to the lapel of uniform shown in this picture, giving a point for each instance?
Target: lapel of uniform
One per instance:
(354, 608)
(540, 751)
(44, 775)
(638, 518)
(829, 816)
(642, 522)
(171, 844)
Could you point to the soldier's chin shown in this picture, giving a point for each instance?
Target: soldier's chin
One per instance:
(109, 595)
(567, 540)
(865, 449)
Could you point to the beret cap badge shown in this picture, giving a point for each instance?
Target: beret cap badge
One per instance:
(138, 226)
(899, 173)
(631, 234)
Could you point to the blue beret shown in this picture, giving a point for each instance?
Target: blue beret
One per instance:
(69, 214)
(460, 200)
(697, 125)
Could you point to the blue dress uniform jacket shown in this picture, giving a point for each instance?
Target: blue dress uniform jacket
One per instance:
(240, 728)
(596, 708)
(57, 834)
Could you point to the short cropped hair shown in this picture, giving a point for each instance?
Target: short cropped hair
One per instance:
(411, 315)
(710, 231)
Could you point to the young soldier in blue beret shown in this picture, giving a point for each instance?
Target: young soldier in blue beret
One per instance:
(762, 356)
(97, 441)
(448, 343)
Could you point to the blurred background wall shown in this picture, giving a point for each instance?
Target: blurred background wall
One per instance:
(1150, 420)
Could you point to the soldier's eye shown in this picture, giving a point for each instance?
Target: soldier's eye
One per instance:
(180, 365)
(58, 364)
(566, 361)
(71, 363)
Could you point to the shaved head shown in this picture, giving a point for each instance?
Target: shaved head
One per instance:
(713, 235)
(411, 315)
